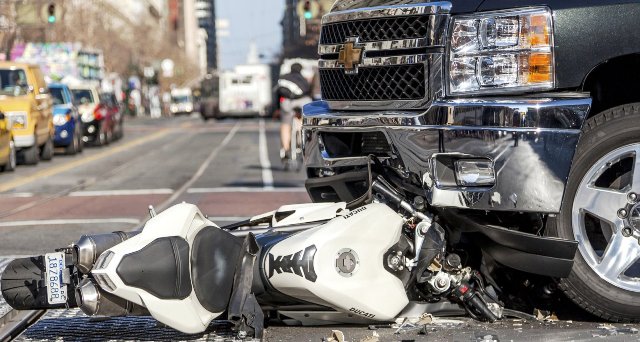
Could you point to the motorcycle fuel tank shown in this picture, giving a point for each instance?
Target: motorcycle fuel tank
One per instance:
(340, 264)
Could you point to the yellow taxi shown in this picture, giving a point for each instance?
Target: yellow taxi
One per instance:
(27, 104)
(7, 146)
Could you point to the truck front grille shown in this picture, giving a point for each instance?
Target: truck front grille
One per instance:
(381, 57)
(375, 29)
(404, 82)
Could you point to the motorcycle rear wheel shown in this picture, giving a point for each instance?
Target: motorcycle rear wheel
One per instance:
(601, 211)
(23, 286)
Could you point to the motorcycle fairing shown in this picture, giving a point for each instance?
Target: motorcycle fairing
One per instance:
(182, 222)
(306, 265)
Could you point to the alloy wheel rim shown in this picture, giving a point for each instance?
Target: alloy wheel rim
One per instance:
(615, 213)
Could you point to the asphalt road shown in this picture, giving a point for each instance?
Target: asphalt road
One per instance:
(215, 165)
(231, 170)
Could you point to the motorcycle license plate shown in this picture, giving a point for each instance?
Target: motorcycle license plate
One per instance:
(56, 289)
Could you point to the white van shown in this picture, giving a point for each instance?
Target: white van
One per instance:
(246, 90)
(181, 101)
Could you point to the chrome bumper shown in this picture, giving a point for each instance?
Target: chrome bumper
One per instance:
(531, 142)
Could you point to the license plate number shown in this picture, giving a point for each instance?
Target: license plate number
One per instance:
(56, 289)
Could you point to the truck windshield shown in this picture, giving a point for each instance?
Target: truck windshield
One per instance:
(13, 82)
(58, 97)
(82, 96)
(180, 99)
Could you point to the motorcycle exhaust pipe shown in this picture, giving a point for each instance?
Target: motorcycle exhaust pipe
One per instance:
(94, 301)
(87, 250)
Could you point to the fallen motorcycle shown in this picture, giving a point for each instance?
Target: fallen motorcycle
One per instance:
(379, 261)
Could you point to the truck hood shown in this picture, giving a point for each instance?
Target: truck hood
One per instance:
(62, 108)
(458, 6)
(87, 108)
(15, 103)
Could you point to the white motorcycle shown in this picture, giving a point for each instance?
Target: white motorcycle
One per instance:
(314, 263)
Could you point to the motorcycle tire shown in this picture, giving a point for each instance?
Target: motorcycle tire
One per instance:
(23, 286)
(589, 284)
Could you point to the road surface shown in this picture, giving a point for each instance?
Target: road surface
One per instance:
(231, 170)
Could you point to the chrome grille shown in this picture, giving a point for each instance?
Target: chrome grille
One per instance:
(381, 57)
(375, 29)
(403, 82)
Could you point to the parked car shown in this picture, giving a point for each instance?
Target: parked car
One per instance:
(66, 119)
(97, 121)
(116, 111)
(8, 154)
(27, 104)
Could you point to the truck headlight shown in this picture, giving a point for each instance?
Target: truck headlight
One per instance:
(504, 51)
(88, 117)
(17, 119)
(61, 119)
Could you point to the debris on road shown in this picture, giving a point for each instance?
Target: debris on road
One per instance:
(607, 330)
(336, 336)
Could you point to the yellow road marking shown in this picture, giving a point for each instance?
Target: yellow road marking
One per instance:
(68, 166)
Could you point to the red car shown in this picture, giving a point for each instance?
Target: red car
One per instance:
(115, 109)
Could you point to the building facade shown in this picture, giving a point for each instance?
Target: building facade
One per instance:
(206, 14)
(301, 27)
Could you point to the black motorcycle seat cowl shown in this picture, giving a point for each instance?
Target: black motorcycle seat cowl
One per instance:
(160, 268)
(214, 260)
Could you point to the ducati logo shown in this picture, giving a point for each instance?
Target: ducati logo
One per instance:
(350, 56)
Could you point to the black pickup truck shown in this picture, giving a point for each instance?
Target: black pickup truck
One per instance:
(517, 121)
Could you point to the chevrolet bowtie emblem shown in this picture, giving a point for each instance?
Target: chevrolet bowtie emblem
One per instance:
(350, 57)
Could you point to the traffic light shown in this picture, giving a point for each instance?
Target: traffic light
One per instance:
(307, 10)
(51, 11)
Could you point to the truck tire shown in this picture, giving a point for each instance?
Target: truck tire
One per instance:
(11, 162)
(46, 153)
(74, 146)
(601, 210)
(23, 287)
(80, 138)
(31, 155)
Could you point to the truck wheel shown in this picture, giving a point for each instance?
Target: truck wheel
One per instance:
(74, 146)
(80, 139)
(47, 150)
(101, 140)
(601, 210)
(31, 155)
(11, 163)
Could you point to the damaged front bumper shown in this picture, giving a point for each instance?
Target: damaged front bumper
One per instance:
(528, 141)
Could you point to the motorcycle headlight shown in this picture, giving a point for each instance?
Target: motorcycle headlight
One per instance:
(88, 117)
(497, 52)
(17, 119)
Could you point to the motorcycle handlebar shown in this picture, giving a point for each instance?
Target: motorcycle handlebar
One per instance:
(396, 198)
